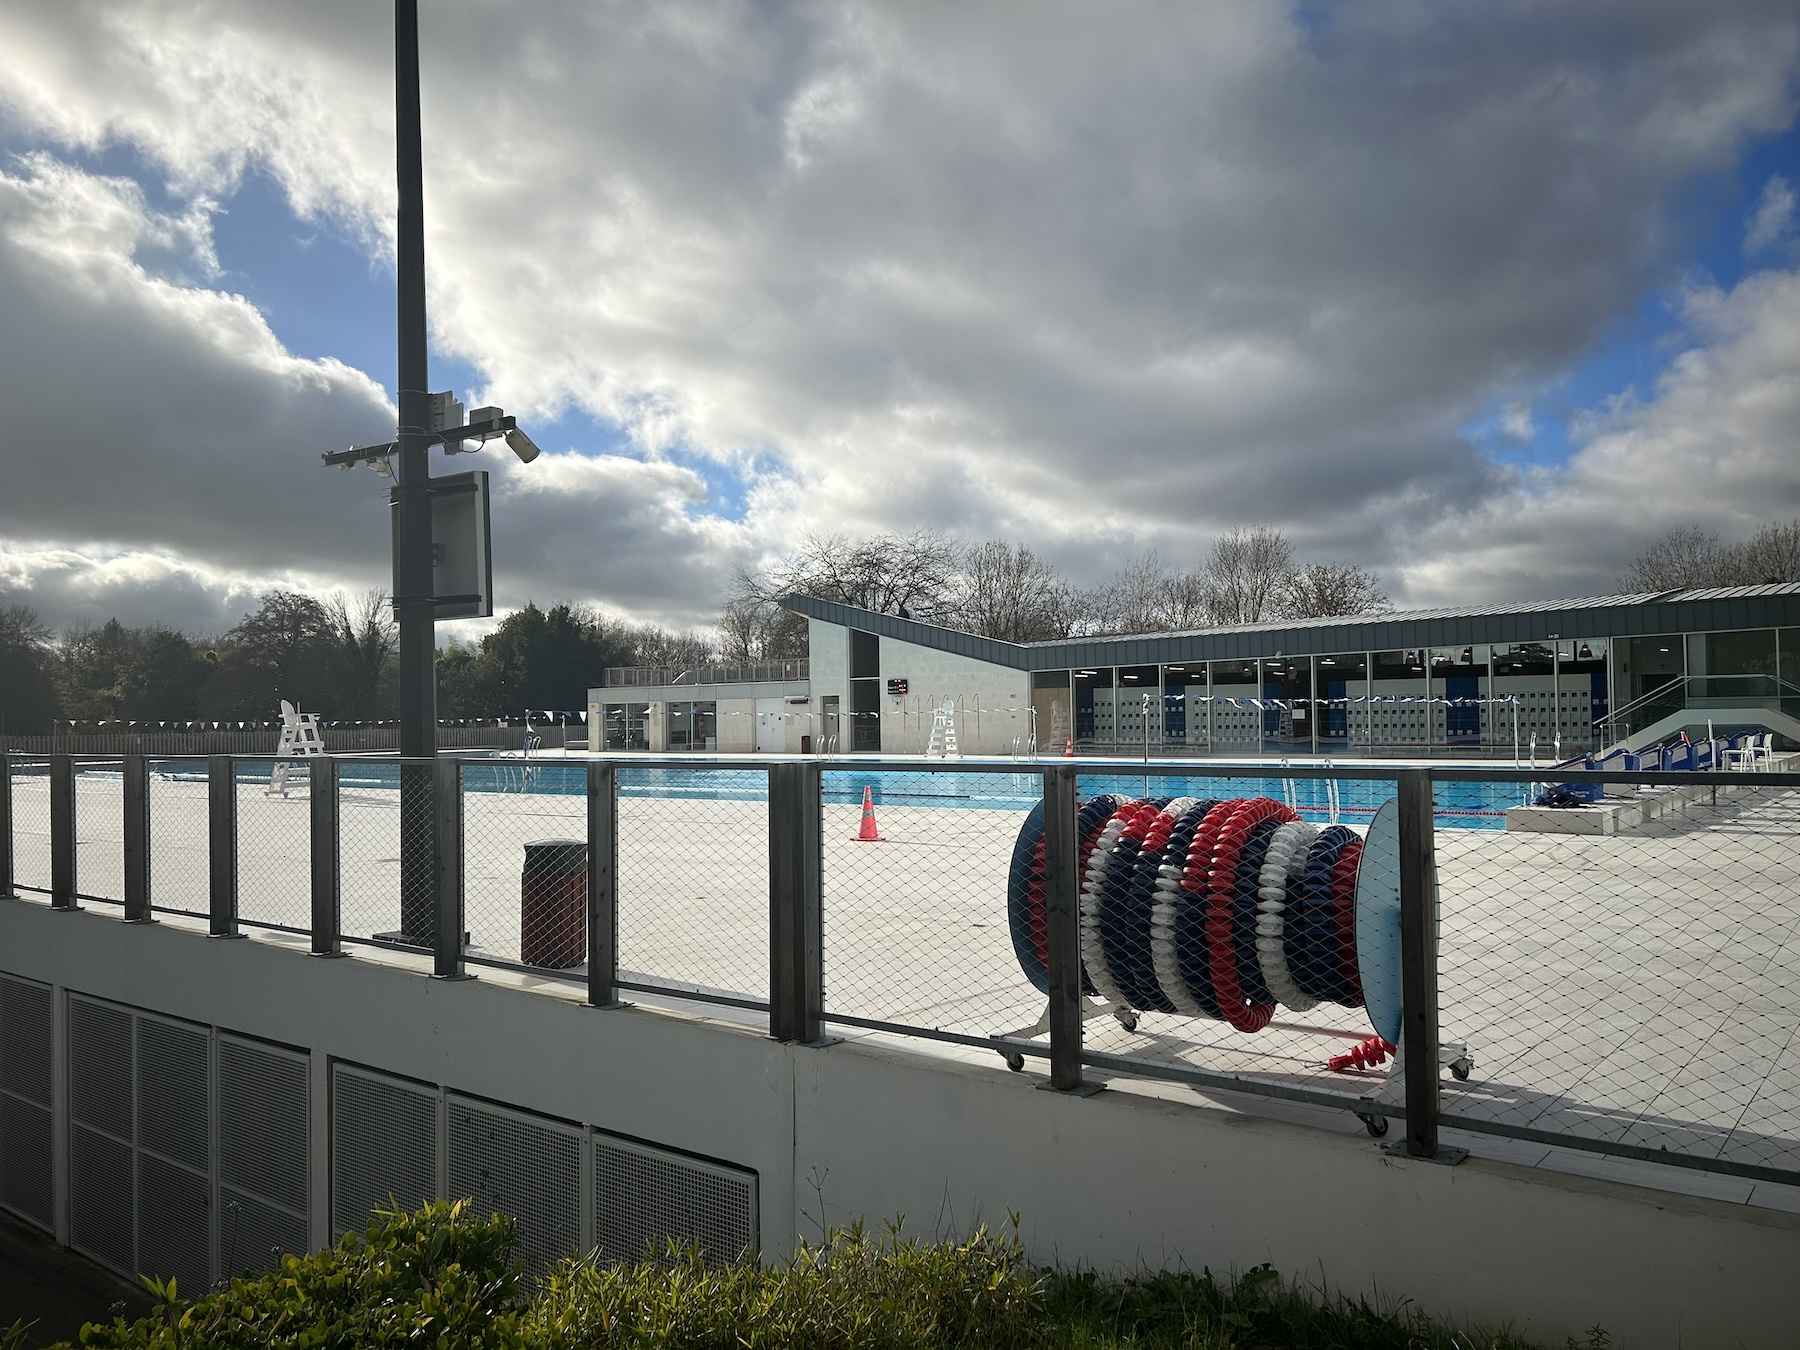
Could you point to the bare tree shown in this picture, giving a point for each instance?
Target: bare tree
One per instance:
(1009, 592)
(1772, 556)
(1319, 590)
(1686, 556)
(912, 575)
(1245, 574)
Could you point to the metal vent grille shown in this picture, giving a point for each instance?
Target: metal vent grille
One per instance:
(254, 1235)
(174, 1223)
(263, 1119)
(384, 1145)
(25, 1159)
(173, 1073)
(521, 1165)
(25, 1039)
(645, 1196)
(100, 1198)
(25, 1129)
(100, 1066)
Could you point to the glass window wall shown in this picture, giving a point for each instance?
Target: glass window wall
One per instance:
(1184, 705)
(1135, 685)
(693, 726)
(1094, 707)
(1288, 692)
(1342, 684)
(1050, 702)
(1582, 702)
(626, 726)
(1523, 674)
(1458, 685)
(1236, 726)
(1397, 691)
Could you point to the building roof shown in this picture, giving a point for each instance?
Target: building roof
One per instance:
(1603, 616)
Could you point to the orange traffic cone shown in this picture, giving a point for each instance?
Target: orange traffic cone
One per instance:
(867, 833)
(1069, 748)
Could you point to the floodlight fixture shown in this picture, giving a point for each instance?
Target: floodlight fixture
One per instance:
(522, 445)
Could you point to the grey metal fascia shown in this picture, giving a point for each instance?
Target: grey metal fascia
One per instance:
(1591, 617)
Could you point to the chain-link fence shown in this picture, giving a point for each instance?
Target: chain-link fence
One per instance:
(1638, 988)
(693, 860)
(99, 831)
(31, 824)
(915, 884)
(274, 843)
(1618, 967)
(178, 835)
(369, 837)
(524, 862)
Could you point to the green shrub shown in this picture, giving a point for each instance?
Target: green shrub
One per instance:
(446, 1277)
(856, 1292)
(441, 1275)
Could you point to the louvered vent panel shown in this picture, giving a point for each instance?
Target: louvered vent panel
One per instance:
(173, 1077)
(524, 1166)
(25, 1099)
(25, 1039)
(25, 1159)
(646, 1196)
(254, 1235)
(174, 1223)
(100, 1193)
(100, 1066)
(263, 1119)
(384, 1145)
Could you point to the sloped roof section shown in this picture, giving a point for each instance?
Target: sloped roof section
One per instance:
(1600, 616)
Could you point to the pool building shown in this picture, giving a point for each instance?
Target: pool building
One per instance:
(1572, 674)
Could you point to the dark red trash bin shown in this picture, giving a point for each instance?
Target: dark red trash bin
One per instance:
(553, 904)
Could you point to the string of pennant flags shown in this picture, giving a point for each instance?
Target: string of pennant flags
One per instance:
(580, 715)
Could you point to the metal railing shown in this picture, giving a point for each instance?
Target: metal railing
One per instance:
(1698, 692)
(758, 672)
(1626, 975)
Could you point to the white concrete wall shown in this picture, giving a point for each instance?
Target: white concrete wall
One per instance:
(993, 703)
(1119, 1180)
(828, 667)
(736, 723)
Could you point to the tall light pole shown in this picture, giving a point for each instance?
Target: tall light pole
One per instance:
(413, 599)
(425, 420)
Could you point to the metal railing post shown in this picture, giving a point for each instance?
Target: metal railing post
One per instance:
(447, 801)
(62, 832)
(796, 899)
(602, 883)
(222, 846)
(327, 907)
(1062, 890)
(6, 827)
(137, 839)
(1419, 961)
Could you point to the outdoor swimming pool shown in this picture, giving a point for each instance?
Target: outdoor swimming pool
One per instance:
(1459, 805)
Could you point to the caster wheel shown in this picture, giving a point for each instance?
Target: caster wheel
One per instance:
(1460, 1071)
(1127, 1019)
(1377, 1126)
(1015, 1062)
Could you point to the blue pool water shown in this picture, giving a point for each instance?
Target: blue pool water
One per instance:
(1459, 805)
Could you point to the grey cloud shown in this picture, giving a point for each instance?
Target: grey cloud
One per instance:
(1100, 279)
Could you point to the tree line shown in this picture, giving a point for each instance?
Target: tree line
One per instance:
(333, 655)
(1690, 558)
(1004, 590)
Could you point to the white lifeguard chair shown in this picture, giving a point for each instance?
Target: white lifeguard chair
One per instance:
(942, 744)
(300, 739)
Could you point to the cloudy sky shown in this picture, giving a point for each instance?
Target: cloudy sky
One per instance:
(1484, 296)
